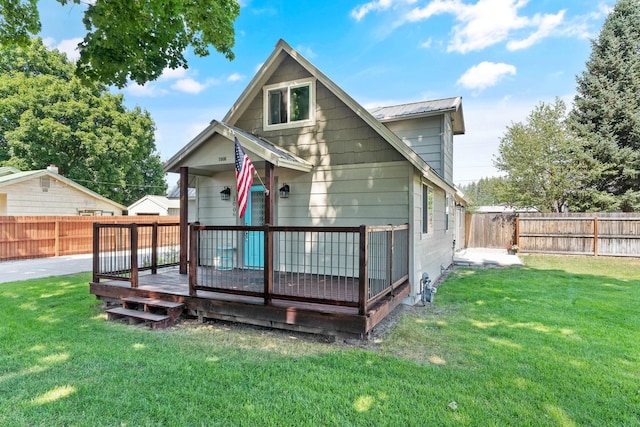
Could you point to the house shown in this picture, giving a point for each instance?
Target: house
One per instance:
(350, 212)
(168, 205)
(45, 192)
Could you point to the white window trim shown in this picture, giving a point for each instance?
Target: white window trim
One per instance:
(311, 81)
(430, 210)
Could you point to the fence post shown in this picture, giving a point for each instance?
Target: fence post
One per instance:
(96, 252)
(364, 270)
(595, 236)
(133, 236)
(517, 236)
(154, 248)
(268, 265)
(56, 245)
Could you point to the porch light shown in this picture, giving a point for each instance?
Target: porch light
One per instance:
(225, 194)
(284, 191)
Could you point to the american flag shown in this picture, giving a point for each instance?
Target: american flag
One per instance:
(244, 177)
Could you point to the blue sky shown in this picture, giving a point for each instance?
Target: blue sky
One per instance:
(502, 56)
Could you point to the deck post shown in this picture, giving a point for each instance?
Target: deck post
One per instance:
(391, 239)
(133, 236)
(268, 264)
(271, 194)
(363, 271)
(96, 252)
(154, 248)
(184, 218)
(193, 259)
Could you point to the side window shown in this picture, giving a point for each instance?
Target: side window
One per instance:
(289, 104)
(427, 209)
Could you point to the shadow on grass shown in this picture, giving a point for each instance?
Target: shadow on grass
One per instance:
(526, 346)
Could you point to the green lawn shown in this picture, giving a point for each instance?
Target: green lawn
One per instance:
(554, 343)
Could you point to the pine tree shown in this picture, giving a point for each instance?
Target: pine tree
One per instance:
(606, 111)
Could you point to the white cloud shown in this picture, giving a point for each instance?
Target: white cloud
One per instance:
(189, 85)
(488, 22)
(235, 77)
(546, 25)
(485, 74)
(68, 47)
(362, 10)
(173, 74)
(426, 44)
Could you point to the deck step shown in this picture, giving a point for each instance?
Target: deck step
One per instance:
(155, 306)
(155, 321)
(154, 302)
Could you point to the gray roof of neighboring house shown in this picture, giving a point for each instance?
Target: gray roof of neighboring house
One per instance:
(422, 109)
(174, 192)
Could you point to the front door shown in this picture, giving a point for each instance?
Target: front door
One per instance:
(254, 240)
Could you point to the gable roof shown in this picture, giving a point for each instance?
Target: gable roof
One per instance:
(259, 146)
(161, 201)
(7, 170)
(16, 177)
(280, 52)
(423, 109)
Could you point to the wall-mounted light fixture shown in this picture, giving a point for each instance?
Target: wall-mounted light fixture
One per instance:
(225, 194)
(284, 191)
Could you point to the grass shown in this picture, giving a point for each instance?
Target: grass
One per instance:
(554, 343)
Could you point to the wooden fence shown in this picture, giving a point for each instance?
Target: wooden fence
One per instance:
(25, 237)
(607, 234)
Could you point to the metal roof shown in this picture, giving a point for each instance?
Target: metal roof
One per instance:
(423, 109)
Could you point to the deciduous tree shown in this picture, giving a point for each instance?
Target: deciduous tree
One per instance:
(47, 116)
(133, 40)
(545, 163)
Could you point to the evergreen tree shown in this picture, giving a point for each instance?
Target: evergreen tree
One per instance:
(606, 111)
(484, 192)
(47, 116)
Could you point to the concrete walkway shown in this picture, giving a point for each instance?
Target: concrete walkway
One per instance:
(485, 257)
(11, 271)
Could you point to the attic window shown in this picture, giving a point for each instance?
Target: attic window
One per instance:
(289, 104)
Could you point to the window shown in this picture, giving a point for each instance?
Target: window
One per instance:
(447, 209)
(427, 209)
(289, 104)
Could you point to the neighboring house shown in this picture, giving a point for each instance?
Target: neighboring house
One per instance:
(45, 192)
(168, 205)
(155, 205)
(341, 164)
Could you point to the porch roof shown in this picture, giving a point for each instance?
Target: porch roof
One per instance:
(250, 143)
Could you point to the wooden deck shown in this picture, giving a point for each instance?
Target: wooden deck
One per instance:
(282, 313)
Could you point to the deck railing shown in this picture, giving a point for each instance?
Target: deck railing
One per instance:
(344, 266)
(121, 251)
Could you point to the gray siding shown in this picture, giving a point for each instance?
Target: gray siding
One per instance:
(349, 195)
(339, 137)
(425, 137)
(431, 138)
(432, 251)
